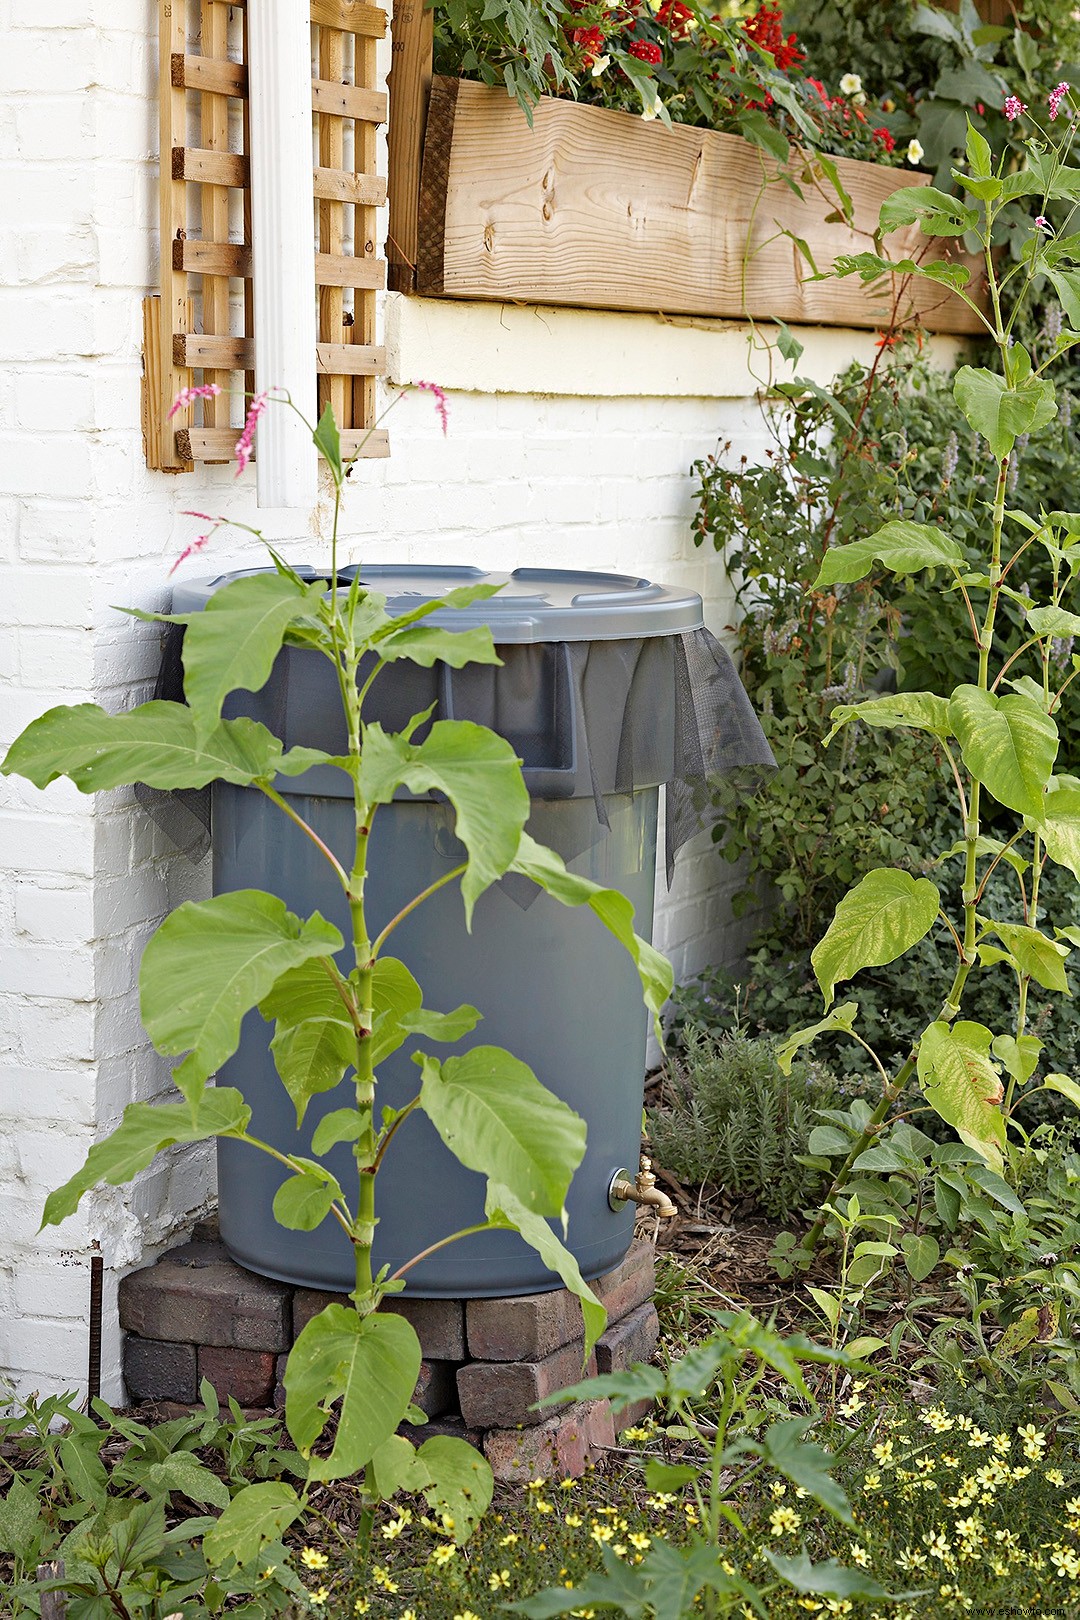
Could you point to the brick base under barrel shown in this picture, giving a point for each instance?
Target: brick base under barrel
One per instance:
(196, 1314)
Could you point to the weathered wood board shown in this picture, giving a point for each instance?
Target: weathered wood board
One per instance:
(602, 210)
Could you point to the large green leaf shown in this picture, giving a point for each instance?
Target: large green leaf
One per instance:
(829, 1578)
(303, 1201)
(256, 1515)
(504, 1209)
(1008, 743)
(1001, 413)
(460, 1482)
(496, 1118)
(1060, 827)
(883, 916)
(232, 644)
(312, 1057)
(144, 1130)
(368, 1363)
(936, 212)
(900, 546)
(1036, 955)
(784, 1446)
(963, 1085)
(842, 1018)
(210, 962)
(427, 644)
(920, 711)
(478, 772)
(613, 909)
(395, 994)
(1053, 621)
(155, 743)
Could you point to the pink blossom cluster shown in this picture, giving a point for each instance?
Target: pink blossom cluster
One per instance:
(440, 402)
(1057, 96)
(243, 451)
(187, 395)
(1014, 107)
(201, 541)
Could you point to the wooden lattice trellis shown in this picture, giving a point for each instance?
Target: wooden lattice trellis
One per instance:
(200, 329)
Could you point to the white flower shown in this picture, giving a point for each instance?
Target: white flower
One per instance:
(850, 84)
(651, 108)
(601, 65)
(914, 152)
(859, 99)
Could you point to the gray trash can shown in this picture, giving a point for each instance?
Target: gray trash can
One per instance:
(603, 684)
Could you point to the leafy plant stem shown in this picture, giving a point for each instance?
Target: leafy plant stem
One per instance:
(873, 1125)
(417, 900)
(466, 1231)
(309, 832)
(389, 1134)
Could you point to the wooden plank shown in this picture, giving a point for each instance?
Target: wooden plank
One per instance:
(209, 168)
(219, 444)
(365, 230)
(338, 185)
(214, 222)
(172, 224)
(236, 354)
(599, 209)
(213, 259)
(410, 89)
(346, 270)
(351, 359)
(349, 101)
(351, 16)
(331, 215)
(219, 78)
(152, 407)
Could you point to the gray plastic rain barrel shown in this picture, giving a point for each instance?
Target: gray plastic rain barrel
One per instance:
(553, 987)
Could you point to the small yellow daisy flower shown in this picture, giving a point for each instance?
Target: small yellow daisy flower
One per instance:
(311, 1559)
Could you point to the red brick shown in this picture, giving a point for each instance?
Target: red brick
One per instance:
(627, 1416)
(154, 1371)
(631, 1284)
(500, 1394)
(196, 1295)
(561, 1447)
(634, 1338)
(439, 1324)
(246, 1375)
(524, 1328)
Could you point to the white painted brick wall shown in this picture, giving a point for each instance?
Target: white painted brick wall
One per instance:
(528, 475)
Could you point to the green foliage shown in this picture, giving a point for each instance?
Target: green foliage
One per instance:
(211, 964)
(731, 1119)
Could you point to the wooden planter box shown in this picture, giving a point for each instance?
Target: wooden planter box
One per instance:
(602, 210)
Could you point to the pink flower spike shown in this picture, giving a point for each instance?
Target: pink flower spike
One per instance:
(200, 543)
(186, 395)
(203, 517)
(243, 443)
(1057, 96)
(1043, 224)
(1014, 107)
(440, 402)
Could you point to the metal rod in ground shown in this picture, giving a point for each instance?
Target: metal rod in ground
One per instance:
(93, 1370)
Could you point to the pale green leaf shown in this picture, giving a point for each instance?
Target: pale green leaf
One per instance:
(1041, 958)
(303, 1201)
(395, 994)
(963, 1086)
(496, 1118)
(920, 711)
(1020, 1057)
(784, 1447)
(256, 1515)
(143, 1132)
(1001, 413)
(921, 1254)
(900, 546)
(829, 1578)
(478, 772)
(883, 916)
(183, 1472)
(935, 212)
(395, 1467)
(232, 644)
(1059, 825)
(342, 1125)
(1008, 743)
(370, 1365)
(428, 644)
(1064, 1087)
(155, 743)
(327, 441)
(504, 1209)
(1053, 621)
(210, 962)
(435, 1026)
(611, 908)
(460, 1482)
(312, 1056)
(841, 1018)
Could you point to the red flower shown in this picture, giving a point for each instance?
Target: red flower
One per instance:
(765, 29)
(646, 51)
(820, 88)
(676, 16)
(590, 42)
(887, 139)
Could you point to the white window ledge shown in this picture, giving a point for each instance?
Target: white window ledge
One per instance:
(489, 348)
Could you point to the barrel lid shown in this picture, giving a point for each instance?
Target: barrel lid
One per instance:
(533, 604)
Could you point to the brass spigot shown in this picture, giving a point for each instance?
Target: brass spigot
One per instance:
(642, 1190)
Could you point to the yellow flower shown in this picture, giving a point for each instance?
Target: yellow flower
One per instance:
(635, 1433)
(936, 1418)
(883, 1452)
(466, 1614)
(510, 1539)
(872, 1482)
(498, 1580)
(1033, 1440)
(573, 1520)
(381, 1577)
(567, 1484)
(691, 1513)
(537, 1484)
(312, 1559)
(1066, 1562)
(777, 1488)
(393, 1529)
(442, 1555)
(361, 1606)
(542, 1505)
(320, 1596)
(639, 1541)
(1054, 1476)
(601, 1533)
(784, 1519)
(860, 1556)
(267, 1572)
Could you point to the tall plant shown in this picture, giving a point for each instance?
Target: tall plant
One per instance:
(998, 731)
(340, 1007)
